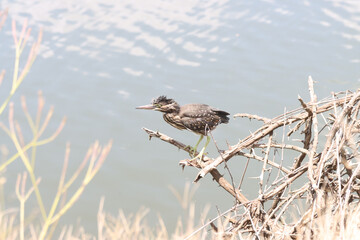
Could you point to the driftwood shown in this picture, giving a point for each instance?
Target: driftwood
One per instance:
(327, 169)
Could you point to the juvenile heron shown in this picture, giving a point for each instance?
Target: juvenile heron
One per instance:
(197, 118)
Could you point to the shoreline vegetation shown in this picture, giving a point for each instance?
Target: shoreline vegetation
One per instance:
(17, 226)
(308, 186)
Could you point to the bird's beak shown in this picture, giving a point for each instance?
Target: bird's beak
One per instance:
(149, 107)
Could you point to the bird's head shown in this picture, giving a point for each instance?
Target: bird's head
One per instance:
(162, 104)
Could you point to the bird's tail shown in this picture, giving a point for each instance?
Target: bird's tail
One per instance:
(223, 115)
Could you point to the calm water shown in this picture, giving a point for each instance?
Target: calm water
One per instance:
(100, 59)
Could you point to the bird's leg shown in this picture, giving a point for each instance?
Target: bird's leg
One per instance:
(197, 144)
(200, 155)
(194, 149)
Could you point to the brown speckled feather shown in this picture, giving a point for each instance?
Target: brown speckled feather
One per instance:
(198, 118)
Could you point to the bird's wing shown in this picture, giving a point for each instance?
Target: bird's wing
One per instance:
(194, 124)
(199, 118)
(194, 110)
(205, 112)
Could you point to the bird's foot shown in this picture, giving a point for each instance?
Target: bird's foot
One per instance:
(198, 158)
(192, 150)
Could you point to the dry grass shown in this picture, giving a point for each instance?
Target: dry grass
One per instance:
(135, 226)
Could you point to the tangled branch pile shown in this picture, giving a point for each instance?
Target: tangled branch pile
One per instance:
(326, 165)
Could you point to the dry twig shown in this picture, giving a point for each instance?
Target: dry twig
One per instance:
(333, 170)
